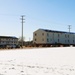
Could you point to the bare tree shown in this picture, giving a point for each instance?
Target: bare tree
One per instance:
(21, 41)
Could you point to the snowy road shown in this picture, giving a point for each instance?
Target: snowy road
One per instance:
(40, 61)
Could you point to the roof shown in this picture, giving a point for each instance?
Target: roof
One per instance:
(8, 37)
(46, 30)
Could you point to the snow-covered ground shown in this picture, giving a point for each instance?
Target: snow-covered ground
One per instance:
(40, 61)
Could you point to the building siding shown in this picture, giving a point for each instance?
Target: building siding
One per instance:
(53, 37)
(7, 40)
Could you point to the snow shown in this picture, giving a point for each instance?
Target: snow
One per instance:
(38, 61)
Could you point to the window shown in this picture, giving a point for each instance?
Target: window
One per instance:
(68, 36)
(73, 41)
(42, 39)
(35, 34)
(47, 34)
(58, 40)
(35, 39)
(73, 37)
(58, 35)
(51, 39)
(42, 33)
(3, 42)
(65, 41)
(47, 40)
(68, 40)
(65, 35)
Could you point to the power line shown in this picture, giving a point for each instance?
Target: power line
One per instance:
(22, 18)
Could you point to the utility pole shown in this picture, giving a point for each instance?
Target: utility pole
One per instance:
(22, 18)
(69, 27)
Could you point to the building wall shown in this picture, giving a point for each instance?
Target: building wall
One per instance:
(8, 41)
(41, 36)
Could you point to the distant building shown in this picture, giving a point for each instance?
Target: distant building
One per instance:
(8, 40)
(44, 36)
